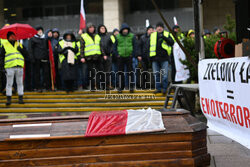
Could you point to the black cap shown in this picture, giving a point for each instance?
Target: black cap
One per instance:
(160, 24)
(176, 26)
(39, 28)
(149, 27)
(9, 34)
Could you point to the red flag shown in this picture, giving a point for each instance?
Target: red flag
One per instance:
(82, 16)
(52, 64)
(110, 123)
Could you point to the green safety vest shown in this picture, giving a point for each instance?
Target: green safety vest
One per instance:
(153, 43)
(13, 57)
(61, 56)
(91, 47)
(125, 45)
(112, 37)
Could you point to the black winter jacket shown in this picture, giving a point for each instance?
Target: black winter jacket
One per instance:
(38, 48)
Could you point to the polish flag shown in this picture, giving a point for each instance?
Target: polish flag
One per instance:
(82, 16)
(110, 123)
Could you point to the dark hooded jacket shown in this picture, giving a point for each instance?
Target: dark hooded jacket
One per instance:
(143, 49)
(134, 42)
(38, 48)
(69, 72)
(54, 41)
(46, 34)
(106, 42)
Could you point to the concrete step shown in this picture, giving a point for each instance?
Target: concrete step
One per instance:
(81, 100)
(79, 109)
(70, 96)
(73, 105)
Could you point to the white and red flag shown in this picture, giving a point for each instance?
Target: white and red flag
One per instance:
(124, 122)
(82, 16)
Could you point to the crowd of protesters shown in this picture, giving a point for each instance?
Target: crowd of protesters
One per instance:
(93, 59)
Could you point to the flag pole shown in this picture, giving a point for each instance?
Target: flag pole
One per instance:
(189, 58)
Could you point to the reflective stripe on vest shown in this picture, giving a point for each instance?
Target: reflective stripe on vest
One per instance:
(61, 56)
(91, 47)
(153, 43)
(13, 57)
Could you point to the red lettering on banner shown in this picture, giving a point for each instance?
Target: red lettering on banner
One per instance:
(232, 112)
(246, 116)
(239, 115)
(226, 111)
(207, 104)
(235, 114)
(217, 107)
(213, 108)
(221, 110)
(203, 105)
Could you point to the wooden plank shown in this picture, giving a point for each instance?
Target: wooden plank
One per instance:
(78, 141)
(184, 162)
(103, 158)
(100, 150)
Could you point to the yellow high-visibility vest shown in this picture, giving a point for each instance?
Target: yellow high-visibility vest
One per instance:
(153, 43)
(13, 57)
(91, 47)
(112, 37)
(61, 56)
(79, 48)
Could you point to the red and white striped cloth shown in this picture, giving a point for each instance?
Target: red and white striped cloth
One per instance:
(124, 122)
(82, 16)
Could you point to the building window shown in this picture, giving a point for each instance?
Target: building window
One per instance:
(60, 11)
(48, 12)
(142, 5)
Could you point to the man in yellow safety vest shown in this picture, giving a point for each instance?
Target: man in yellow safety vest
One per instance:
(161, 44)
(13, 53)
(91, 54)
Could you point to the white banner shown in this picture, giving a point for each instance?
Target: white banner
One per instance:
(225, 96)
(182, 73)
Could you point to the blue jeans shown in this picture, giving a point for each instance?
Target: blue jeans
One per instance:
(160, 68)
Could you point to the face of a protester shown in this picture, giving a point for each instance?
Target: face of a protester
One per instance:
(40, 32)
(176, 30)
(68, 37)
(150, 31)
(12, 38)
(102, 30)
(159, 29)
(125, 31)
(192, 35)
(217, 32)
(55, 34)
(50, 34)
(91, 29)
(116, 33)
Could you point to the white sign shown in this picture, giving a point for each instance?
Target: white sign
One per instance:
(225, 96)
(182, 73)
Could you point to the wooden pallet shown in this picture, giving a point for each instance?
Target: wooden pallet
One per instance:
(183, 143)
